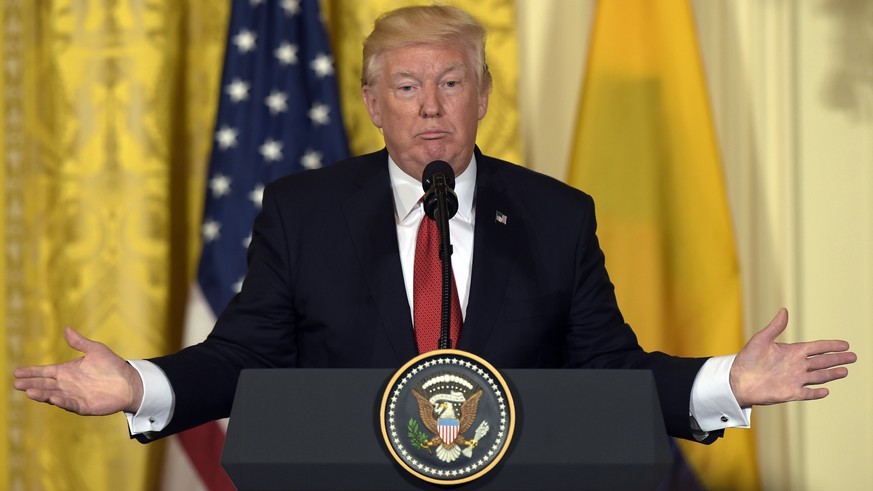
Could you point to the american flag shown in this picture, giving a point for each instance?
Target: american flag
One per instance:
(279, 113)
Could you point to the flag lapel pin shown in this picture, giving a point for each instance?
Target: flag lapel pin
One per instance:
(500, 218)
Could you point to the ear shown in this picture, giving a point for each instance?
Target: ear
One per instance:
(483, 103)
(369, 94)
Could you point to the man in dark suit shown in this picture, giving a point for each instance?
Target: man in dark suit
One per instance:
(331, 269)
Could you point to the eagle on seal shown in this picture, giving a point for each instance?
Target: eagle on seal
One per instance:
(433, 414)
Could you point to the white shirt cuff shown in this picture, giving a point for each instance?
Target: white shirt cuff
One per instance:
(713, 404)
(158, 400)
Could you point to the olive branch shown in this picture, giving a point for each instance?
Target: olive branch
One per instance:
(416, 436)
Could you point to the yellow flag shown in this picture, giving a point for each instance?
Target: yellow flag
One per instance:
(350, 21)
(645, 150)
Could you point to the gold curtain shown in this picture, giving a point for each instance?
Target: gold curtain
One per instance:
(106, 119)
(350, 21)
(106, 123)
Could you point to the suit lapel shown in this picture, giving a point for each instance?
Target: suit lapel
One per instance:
(493, 250)
(369, 214)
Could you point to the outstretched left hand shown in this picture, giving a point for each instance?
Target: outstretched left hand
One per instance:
(767, 372)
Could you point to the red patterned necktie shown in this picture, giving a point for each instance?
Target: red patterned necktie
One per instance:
(427, 290)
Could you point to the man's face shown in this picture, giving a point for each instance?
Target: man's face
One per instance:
(427, 102)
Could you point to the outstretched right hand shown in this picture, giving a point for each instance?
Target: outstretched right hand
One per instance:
(98, 383)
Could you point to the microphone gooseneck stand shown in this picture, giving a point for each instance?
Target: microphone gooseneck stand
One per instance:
(442, 219)
(440, 204)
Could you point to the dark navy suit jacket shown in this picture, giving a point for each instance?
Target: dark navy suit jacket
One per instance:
(325, 289)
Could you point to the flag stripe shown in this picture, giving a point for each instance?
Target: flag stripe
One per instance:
(203, 446)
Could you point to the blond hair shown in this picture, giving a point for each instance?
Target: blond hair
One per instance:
(434, 24)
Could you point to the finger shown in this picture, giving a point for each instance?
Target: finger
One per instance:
(77, 341)
(830, 360)
(776, 326)
(825, 376)
(813, 348)
(38, 395)
(36, 383)
(54, 398)
(811, 394)
(48, 371)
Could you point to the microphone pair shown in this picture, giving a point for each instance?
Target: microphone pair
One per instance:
(439, 179)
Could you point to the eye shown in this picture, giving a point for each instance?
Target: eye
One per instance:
(452, 84)
(406, 89)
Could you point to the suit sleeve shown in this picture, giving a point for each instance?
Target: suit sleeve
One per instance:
(598, 336)
(256, 330)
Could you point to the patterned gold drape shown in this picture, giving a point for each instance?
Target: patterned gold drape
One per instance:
(106, 114)
(107, 120)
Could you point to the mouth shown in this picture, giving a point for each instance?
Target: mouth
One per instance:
(433, 134)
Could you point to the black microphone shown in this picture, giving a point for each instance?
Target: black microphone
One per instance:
(439, 178)
(440, 204)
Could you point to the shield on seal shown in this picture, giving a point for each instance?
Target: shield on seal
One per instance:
(448, 430)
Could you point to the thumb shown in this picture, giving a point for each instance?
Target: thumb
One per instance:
(776, 326)
(77, 341)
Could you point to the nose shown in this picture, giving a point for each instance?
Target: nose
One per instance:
(431, 105)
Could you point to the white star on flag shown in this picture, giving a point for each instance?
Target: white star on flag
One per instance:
(210, 230)
(245, 41)
(220, 185)
(322, 65)
(291, 7)
(226, 137)
(277, 102)
(319, 114)
(257, 195)
(237, 287)
(238, 90)
(311, 159)
(271, 150)
(286, 53)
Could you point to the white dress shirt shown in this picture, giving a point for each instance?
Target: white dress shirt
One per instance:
(408, 212)
(713, 405)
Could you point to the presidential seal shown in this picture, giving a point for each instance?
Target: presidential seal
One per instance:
(447, 417)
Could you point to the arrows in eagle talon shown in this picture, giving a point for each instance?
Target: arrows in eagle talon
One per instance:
(481, 431)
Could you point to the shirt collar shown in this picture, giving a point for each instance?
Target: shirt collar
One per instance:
(407, 190)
